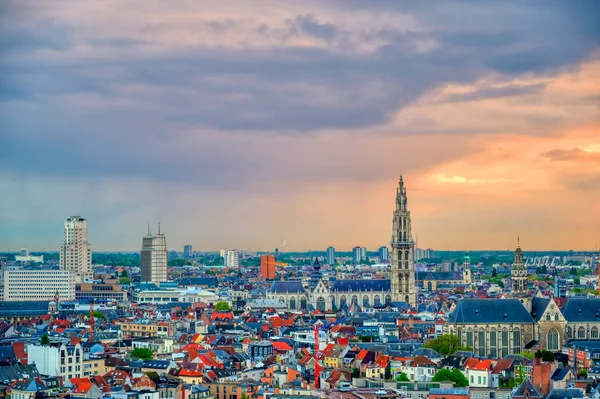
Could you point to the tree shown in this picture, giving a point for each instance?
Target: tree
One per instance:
(583, 373)
(573, 271)
(402, 378)
(124, 273)
(98, 315)
(576, 281)
(45, 340)
(494, 272)
(142, 354)
(222, 306)
(125, 280)
(459, 378)
(545, 355)
(445, 345)
(355, 373)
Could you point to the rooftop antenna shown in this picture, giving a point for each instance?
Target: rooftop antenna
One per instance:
(149, 229)
(158, 227)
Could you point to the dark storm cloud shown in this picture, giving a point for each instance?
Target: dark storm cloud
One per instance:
(496, 92)
(122, 110)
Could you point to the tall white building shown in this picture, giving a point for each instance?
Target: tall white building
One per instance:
(38, 285)
(64, 361)
(76, 251)
(232, 259)
(154, 257)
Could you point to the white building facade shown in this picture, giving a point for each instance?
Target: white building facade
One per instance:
(76, 251)
(154, 258)
(232, 259)
(64, 361)
(38, 285)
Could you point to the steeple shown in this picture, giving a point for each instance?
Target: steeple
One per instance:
(518, 273)
(403, 268)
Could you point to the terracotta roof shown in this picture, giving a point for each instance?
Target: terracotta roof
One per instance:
(282, 346)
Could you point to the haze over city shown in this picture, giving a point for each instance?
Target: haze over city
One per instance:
(243, 124)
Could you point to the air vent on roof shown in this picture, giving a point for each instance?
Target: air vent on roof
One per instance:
(579, 310)
(505, 316)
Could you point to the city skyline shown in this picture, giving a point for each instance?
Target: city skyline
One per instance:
(240, 126)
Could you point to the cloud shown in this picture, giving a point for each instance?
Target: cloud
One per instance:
(119, 42)
(575, 154)
(510, 90)
(310, 25)
(291, 108)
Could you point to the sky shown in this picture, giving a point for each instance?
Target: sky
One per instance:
(286, 124)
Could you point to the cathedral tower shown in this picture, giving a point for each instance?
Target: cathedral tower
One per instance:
(403, 267)
(518, 274)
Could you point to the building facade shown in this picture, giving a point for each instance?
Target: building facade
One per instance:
(38, 285)
(330, 256)
(384, 254)
(497, 327)
(402, 265)
(187, 251)
(86, 292)
(154, 258)
(76, 252)
(64, 361)
(232, 259)
(356, 257)
(267, 267)
(353, 295)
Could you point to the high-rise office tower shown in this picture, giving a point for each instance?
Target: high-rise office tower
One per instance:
(403, 266)
(331, 256)
(267, 267)
(363, 253)
(232, 259)
(76, 252)
(154, 257)
(187, 251)
(356, 256)
(384, 254)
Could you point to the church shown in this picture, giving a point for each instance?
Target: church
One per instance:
(498, 327)
(353, 295)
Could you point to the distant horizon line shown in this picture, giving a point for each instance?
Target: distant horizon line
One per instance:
(317, 250)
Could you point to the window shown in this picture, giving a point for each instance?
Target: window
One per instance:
(470, 338)
(493, 343)
(594, 332)
(504, 342)
(581, 333)
(553, 340)
(516, 341)
(481, 342)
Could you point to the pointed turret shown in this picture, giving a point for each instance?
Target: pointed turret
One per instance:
(518, 273)
(402, 259)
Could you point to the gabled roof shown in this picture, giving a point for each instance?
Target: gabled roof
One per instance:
(527, 390)
(566, 393)
(287, 286)
(361, 285)
(490, 311)
(538, 307)
(582, 310)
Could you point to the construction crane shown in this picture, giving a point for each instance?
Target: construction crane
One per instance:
(282, 266)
